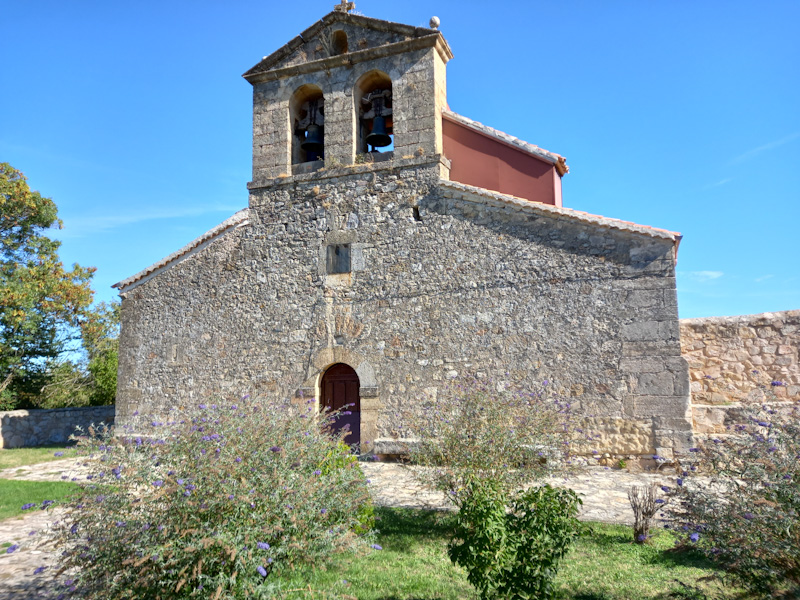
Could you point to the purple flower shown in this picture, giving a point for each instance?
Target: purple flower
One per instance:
(376, 547)
(641, 537)
(38, 570)
(263, 545)
(230, 496)
(158, 483)
(12, 548)
(238, 459)
(694, 449)
(679, 481)
(202, 407)
(58, 454)
(275, 449)
(776, 383)
(749, 516)
(323, 511)
(46, 503)
(664, 488)
(120, 523)
(694, 537)
(261, 571)
(317, 472)
(28, 505)
(660, 501)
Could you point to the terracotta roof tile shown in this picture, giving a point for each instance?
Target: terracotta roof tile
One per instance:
(237, 220)
(453, 188)
(559, 161)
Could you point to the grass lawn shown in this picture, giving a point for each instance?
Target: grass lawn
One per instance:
(18, 457)
(16, 492)
(603, 564)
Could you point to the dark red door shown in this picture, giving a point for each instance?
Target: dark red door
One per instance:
(340, 392)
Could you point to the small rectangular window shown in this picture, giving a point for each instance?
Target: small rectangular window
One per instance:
(338, 259)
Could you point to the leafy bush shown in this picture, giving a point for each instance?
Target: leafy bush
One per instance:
(514, 554)
(480, 445)
(738, 500)
(214, 502)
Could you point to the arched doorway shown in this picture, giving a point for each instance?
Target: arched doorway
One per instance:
(339, 388)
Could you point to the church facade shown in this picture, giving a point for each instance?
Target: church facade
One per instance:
(391, 246)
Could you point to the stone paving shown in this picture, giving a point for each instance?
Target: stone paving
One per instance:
(604, 493)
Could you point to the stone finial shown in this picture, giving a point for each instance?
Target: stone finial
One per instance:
(435, 22)
(344, 6)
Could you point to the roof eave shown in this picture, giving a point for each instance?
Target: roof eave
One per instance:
(557, 160)
(472, 193)
(238, 219)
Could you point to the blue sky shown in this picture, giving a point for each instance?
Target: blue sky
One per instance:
(683, 115)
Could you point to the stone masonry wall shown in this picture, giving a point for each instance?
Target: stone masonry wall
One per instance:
(740, 360)
(20, 428)
(459, 285)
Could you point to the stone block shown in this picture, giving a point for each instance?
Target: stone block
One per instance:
(656, 384)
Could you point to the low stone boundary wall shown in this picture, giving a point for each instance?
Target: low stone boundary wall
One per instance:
(20, 428)
(740, 360)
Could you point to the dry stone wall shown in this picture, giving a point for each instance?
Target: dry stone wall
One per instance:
(740, 360)
(37, 427)
(442, 285)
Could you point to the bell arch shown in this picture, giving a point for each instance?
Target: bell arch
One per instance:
(307, 121)
(372, 99)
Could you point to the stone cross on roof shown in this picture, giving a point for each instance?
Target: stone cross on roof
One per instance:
(344, 6)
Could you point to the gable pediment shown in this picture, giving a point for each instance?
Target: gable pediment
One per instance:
(338, 34)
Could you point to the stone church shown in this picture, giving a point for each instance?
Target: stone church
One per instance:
(391, 245)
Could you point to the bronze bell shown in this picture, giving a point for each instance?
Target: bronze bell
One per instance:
(378, 138)
(313, 141)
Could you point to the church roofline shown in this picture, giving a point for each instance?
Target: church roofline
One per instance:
(237, 220)
(556, 159)
(452, 189)
(421, 37)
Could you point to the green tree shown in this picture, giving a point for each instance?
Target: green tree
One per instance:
(100, 335)
(39, 298)
(91, 379)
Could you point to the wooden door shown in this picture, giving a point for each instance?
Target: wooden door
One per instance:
(340, 392)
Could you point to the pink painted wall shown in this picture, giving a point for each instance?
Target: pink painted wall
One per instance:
(490, 164)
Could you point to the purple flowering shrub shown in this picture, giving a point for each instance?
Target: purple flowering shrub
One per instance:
(474, 432)
(215, 501)
(738, 500)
